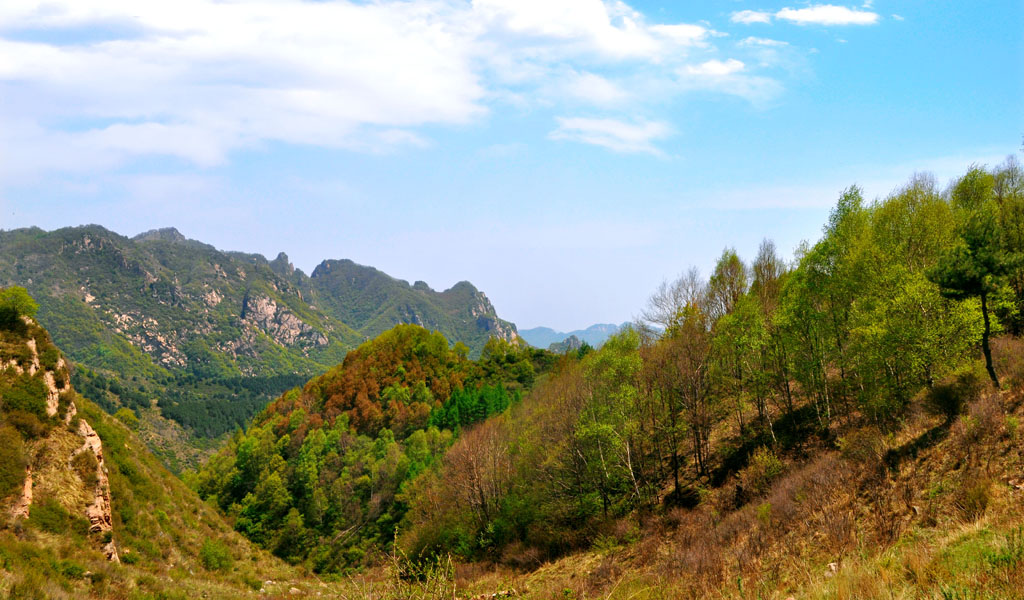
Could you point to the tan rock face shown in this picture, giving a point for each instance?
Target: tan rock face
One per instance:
(24, 503)
(486, 318)
(279, 323)
(98, 511)
(34, 367)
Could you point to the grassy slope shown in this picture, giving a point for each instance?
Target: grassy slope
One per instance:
(946, 523)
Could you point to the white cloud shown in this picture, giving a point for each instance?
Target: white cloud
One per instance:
(620, 136)
(595, 89)
(763, 42)
(196, 80)
(748, 17)
(827, 14)
(897, 17)
(716, 68)
(609, 29)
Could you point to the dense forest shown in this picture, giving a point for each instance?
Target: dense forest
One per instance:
(322, 473)
(726, 386)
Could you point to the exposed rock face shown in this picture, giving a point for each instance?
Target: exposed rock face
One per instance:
(24, 502)
(52, 393)
(98, 510)
(279, 323)
(487, 319)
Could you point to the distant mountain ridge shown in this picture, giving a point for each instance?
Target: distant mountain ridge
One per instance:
(212, 335)
(595, 335)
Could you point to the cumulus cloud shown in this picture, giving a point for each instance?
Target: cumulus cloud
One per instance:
(716, 67)
(818, 14)
(748, 17)
(620, 136)
(827, 14)
(93, 85)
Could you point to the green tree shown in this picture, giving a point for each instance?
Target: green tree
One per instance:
(975, 266)
(15, 302)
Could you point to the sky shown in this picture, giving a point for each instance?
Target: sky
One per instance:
(565, 156)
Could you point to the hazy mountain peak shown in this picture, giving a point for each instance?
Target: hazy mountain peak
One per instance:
(164, 234)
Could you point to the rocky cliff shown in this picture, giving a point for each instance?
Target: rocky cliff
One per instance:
(63, 454)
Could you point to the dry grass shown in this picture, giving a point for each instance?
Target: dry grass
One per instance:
(925, 511)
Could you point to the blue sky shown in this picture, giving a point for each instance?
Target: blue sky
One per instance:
(565, 156)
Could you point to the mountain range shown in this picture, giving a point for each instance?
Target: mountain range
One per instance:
(595, 335)
(196, 340)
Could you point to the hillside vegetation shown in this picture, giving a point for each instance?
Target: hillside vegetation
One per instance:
(842, 426)
(85, 509)
(758, 365)
(195, 341)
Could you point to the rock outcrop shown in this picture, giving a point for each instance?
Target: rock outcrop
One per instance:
(98, 510)
(279, 323)
(24, 502)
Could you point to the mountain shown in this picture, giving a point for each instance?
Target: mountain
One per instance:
(570, 344)
(85, 509)
(195, 340)
(595, 335)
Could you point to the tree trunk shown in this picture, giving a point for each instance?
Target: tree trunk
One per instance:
(984, 341)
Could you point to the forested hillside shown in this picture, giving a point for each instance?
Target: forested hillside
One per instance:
(323, 474)
(212, 336)
(783, 400)
(759, 362)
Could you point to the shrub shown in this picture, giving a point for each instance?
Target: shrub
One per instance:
(28, 587)
(215, 556)
(15, 302)
(26, 393)
(763, 468)
(972, 499)
(49, 516)
(127, 416)
(949, 397)
(12, 461)
(1008, 356)
(27, 423)
(865, 446)
(70, 569)
(48, 358)
(85, 464)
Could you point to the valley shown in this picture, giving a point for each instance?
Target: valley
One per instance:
(845, 424)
